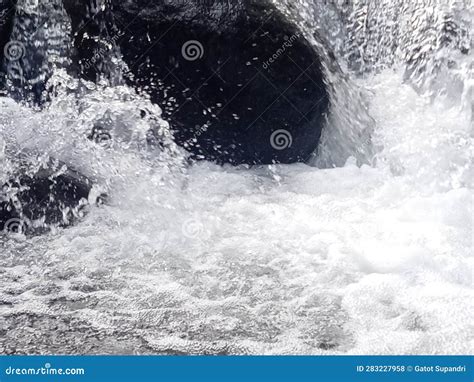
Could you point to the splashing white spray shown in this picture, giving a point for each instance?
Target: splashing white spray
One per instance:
(283, 259)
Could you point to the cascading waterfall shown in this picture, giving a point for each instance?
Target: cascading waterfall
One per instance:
(368, 250)
(40, 43)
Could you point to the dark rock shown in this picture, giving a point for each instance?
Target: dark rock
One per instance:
(7, 13)
(95, 35)
(40, 41)
(33, 201)
(236, 80)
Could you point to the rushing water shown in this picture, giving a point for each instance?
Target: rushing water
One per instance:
(367, 251)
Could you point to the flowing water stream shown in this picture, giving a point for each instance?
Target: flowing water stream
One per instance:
(367, 250)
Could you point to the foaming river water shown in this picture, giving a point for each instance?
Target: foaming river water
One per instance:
(283, 259)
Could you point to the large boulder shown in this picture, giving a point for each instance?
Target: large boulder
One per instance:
(7, 13)
(34, 200)
(236, 80)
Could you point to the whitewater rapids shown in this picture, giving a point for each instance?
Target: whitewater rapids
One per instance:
(294, 259)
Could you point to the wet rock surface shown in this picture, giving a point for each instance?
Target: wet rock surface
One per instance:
(33, 201)
(7, 13)
(238, 82)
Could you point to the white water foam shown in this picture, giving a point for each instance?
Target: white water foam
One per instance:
(293, 259)
(279, 259)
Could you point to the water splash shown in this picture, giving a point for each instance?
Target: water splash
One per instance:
(358, 259)
(40, 42)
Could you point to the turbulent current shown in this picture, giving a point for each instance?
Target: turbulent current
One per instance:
(365, 250)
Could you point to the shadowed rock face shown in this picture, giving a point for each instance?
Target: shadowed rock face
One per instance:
(236, 80)
(7, 13)
(32, 202)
